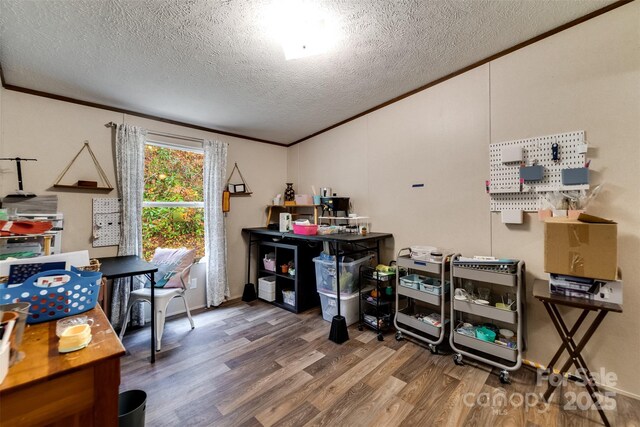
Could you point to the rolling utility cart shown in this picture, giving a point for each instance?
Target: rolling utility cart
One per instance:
(421, 297)
(487, 312)
(376, 308)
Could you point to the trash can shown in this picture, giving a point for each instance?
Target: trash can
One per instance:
(131, 407)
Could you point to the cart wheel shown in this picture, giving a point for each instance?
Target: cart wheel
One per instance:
(457, 359)
(398, 336)
(433, 349)
(380, 337)
(504, 377)
(360, 328)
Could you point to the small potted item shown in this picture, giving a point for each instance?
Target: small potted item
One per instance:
(284, 268)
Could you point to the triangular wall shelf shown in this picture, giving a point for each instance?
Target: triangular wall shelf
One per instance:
(79, 186)
(238, 189)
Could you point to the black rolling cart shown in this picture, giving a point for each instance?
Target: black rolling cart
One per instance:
(376, 308)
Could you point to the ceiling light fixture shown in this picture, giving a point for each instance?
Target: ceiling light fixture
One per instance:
(302, 28)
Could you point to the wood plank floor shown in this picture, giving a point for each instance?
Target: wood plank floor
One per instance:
(257, 365)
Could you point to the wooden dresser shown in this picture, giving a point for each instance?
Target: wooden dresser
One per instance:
(72, 389)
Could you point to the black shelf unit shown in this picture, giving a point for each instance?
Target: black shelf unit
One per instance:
(303, 283)
(376, 313)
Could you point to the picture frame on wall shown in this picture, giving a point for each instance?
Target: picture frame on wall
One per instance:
(237, 188)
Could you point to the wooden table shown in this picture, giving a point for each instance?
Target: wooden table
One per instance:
(72, 389)
(551, 303)
(119, 267)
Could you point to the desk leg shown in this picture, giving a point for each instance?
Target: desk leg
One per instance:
(574, 354)
(339, 332)
(153, 320)
(571, 333)
(571, 342)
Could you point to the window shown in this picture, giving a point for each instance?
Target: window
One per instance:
(173, 208)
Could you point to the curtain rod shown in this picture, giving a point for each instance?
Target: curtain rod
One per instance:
(165, 134)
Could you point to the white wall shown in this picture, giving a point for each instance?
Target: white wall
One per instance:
(53, 132)
(584, 78)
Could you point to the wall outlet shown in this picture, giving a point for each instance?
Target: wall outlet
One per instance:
(193, 284)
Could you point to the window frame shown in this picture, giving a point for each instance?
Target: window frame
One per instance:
(168, 204)
(146, 204)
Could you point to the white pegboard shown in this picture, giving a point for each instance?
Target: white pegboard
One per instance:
(106, 222)
(505, 190)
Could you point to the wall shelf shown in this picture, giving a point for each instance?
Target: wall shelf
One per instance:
(84, 188)
(103, 176)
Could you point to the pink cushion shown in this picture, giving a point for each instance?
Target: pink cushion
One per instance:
(175, 260)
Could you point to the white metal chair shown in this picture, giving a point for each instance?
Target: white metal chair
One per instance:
(162, 297)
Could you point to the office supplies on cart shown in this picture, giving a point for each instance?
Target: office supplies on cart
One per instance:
(482, 342)
(492, 264)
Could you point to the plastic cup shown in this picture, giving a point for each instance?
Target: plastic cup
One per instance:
(68, 322)
(468, 286)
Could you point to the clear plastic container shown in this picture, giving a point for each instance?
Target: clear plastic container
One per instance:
(412, 281)
(349, 275)
(348, 307)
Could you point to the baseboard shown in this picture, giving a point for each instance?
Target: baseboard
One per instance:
(620, 391)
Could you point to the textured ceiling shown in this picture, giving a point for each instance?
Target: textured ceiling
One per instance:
(216, 64)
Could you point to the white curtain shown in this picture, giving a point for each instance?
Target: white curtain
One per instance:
(130, 142)
(215, 171)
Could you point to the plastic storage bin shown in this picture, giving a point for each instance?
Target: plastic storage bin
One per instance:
(267, 288)
(433, 286)
(306, 230)
(289, 297)
(269, 262)
(348, 307)
(349, 275)
(412, 281)
(78, 295)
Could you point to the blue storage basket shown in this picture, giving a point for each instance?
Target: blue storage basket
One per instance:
(78, 295)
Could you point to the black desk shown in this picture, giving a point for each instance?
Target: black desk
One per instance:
(119, 267)
(551, 303)
(338, 333)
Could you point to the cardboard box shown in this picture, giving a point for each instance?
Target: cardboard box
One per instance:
(583, 247)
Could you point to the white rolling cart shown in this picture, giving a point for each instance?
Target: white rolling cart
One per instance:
(500, 277)
(419, 294)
